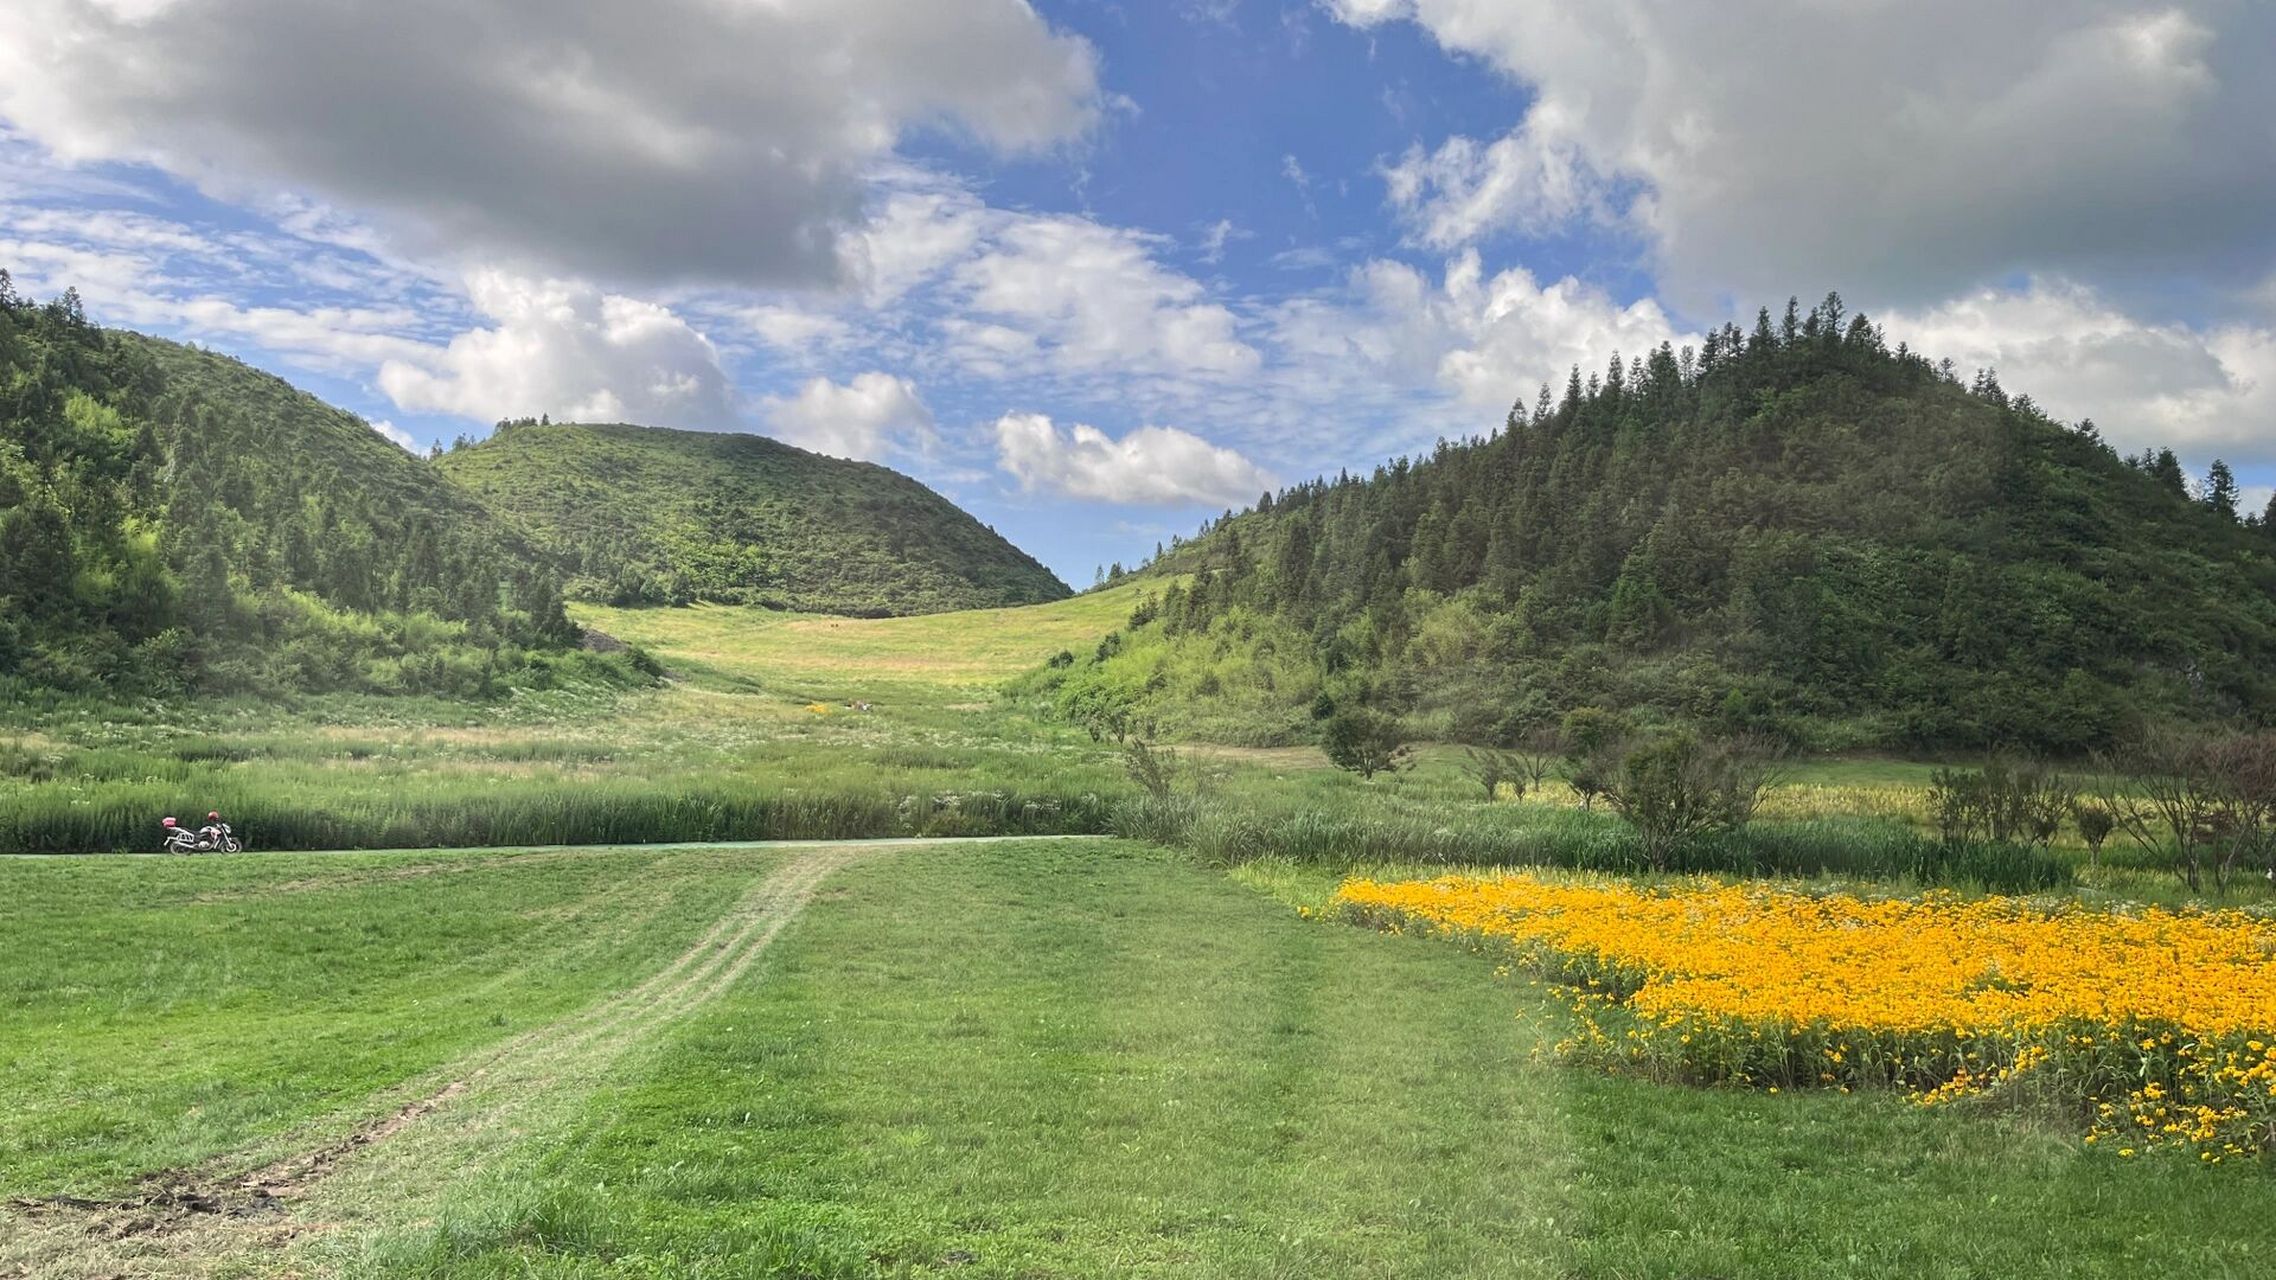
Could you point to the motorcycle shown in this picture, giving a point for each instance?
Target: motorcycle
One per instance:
(213, 839)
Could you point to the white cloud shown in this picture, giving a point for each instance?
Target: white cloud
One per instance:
(1151, 465)
(1534, 179)
(919, 229)
(2201, 392)
(1093, 298)
(1215, 237)
(1484, 340)
(671, 140)
(396, 435)
(130, 287)
(570, 351)
(792, 328)
(1904, 151)
(865, 419)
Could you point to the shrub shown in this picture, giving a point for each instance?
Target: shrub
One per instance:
(1365, 741)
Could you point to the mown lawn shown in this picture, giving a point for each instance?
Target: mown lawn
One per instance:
(1079, 1060)
(156, 1012)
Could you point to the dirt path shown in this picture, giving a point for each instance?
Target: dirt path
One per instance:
(252, 1209)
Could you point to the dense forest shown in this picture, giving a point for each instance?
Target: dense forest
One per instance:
(643, 515)
(1794, 531)
(172, 521)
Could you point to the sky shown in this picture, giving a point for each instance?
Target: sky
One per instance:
(1099, 270)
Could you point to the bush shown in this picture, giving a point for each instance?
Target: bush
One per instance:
(1365, 741)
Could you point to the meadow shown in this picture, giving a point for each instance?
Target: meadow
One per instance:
(1003, 1059)
(784, 726)
(573, 1051)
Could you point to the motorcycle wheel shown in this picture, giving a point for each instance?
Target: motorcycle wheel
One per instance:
(230, 844)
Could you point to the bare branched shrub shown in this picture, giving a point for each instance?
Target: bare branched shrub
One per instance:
(1494, 769)
(2174, 803)
(1152, 766)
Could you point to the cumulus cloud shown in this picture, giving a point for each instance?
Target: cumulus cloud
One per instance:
(2202, 392)
(1158, 466)
(1484, 340)
(1905, 151)
(570, 351)
(395, 435)
(1535, 179)
(919, 229)
(677, 139)
(864, 419)
(1093, 298)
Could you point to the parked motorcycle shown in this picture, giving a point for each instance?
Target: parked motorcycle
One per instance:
(213, 838)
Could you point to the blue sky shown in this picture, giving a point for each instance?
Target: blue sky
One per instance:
(1098, 270)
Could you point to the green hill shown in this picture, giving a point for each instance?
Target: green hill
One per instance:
(643, 515)
(1795, 531)
(172, 521)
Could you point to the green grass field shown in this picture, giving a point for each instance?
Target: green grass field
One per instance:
(1076, 1057)
(1012, 1059)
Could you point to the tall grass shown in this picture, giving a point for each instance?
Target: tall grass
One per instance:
(1863, 849)
(124, 817)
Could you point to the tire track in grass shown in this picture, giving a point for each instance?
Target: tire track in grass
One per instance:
(397, 1165)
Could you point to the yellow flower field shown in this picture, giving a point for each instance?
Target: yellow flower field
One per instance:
(2158, 1026)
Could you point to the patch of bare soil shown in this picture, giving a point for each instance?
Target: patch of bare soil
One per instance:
(1281, 758)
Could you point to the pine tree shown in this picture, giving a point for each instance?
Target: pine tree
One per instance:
(2220, 490)
(2166, 470)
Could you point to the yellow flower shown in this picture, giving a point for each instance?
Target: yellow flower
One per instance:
(1948, 998)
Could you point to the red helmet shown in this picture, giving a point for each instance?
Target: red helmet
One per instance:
(167, 823)
(215, 816)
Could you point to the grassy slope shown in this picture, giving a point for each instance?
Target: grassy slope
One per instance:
(1067, 1059)
(924, 658)
(700, 759)
(742, 517)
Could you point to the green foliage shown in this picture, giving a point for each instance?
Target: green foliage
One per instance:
(1243, 677)
(1675, 788)
(2004, 802)
(172, 521)
(1363, 740)
(1495, 768)
(1808, 536)
(1150, 766)
(642, 515)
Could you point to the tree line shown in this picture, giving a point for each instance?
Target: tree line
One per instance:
(1796, 531)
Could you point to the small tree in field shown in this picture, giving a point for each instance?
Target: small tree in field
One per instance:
(1495, 769)
(1536, 760)
(1676, 788)
(1590, 744)
(1150, 765)
(2242, 770)
(2095, 817)
(1365, 741)
(2175, 797)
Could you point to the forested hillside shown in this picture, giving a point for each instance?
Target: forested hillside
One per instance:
(173, 521)
(643, 515)
(1795, 531)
